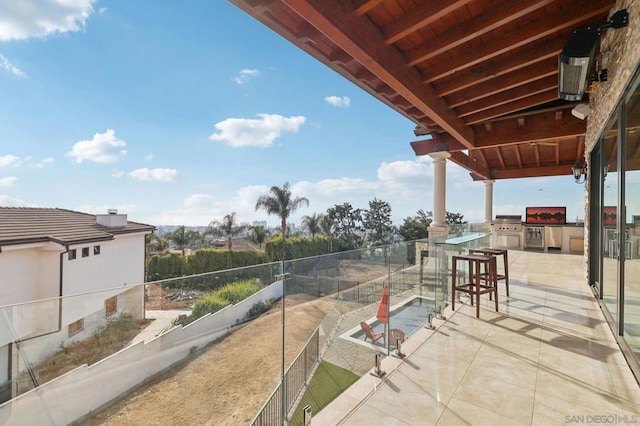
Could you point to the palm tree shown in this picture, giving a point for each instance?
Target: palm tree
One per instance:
(326, 225)
(180, 239)
(312, 223)
(258, 235)
(282, 204)
(228, 228)
(155, 244)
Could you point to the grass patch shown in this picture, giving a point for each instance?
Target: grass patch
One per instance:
(327, 383)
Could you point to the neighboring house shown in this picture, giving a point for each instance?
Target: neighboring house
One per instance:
(49, 254)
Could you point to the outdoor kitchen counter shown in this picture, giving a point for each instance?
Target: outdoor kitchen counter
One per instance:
(569, 238)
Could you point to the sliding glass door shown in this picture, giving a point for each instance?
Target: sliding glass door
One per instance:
(631, 224)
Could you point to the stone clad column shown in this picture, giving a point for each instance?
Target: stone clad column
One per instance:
(439, 225)
(488, 201)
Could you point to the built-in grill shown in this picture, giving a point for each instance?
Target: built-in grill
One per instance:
(508, 230)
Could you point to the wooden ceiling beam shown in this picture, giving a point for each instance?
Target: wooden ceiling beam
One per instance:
(473, 28)
(438, 143)
(468, 163)
(526, 172)
(500, 157)
(424, 15)
(535, 128)
(518, 155)
(527, 30)
(517, 105)
(509, 96)
(361, 39)
(520, 77)
(365, 6)
(526, 60)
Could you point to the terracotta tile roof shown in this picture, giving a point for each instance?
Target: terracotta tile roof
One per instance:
(22, 225)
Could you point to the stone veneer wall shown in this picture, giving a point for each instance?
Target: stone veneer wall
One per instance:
(623, 46)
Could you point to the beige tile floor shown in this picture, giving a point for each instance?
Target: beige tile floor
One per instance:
(547, 357)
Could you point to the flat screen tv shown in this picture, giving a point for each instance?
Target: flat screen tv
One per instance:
(609, 215)
(546, 215)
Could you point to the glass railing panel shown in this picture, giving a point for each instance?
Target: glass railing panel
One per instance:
(344, 290)
(94, 347)
(330, 295)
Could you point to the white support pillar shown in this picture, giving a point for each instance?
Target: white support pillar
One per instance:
(488, 201)
(439, 225)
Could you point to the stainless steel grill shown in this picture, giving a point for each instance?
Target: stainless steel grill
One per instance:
(508, 230)
(508, 223)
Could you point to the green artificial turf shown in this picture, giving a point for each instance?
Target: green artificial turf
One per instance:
(327, 383)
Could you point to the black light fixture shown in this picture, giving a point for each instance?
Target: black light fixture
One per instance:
(575, 62)
(579, 171)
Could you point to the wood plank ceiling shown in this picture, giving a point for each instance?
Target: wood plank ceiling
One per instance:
(479, 78)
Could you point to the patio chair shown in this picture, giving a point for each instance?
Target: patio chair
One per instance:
(368, 332)
(395, 334)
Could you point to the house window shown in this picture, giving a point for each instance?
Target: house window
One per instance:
(72, 254)
(111, 306)
(76, 327)
(85, 251)
(96, 250)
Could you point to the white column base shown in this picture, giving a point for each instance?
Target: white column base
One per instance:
(436, 230)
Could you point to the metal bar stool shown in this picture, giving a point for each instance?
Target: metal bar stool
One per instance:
(505, 260)
(476, 285)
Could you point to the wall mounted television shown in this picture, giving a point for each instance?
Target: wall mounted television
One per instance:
(546, 215)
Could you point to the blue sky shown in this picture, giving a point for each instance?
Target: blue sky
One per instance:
(178, 113)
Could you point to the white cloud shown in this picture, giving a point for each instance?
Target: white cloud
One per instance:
(8, 181)
(338, 101)
(9, 160)
(156, 175)
(246, 75)
(44, 162)
(23, 19)
(148, 157)
(7, 201)
(239, 132)
(102, 10)
(401, 172)
(103, 148)
(118, 173)
(8, 66)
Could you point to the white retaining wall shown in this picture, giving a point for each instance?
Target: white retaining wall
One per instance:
(78, 392)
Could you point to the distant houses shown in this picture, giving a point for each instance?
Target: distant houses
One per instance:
(49, 253)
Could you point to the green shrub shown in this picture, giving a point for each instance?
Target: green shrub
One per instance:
(259, 308)
(213, 302)
(209, 304)
(238, 291)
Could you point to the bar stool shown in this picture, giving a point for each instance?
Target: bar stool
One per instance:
(474, 287)
(505, 260)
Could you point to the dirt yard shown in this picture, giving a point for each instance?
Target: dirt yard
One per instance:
(226, 383)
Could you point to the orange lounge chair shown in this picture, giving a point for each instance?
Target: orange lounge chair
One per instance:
(368, 332)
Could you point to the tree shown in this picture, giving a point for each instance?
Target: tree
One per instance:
(228, 228)
(377, 222)
(155, 244)
(258, 235)
(326, 227)
(312, 223)
(347, 223)
(417, 227)
(456, 221)
(181, 238)
(281, 203)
